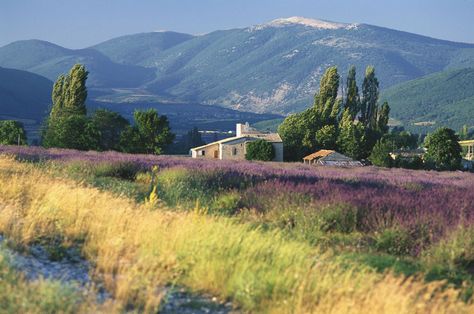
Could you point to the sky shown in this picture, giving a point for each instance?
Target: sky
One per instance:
(82, 23)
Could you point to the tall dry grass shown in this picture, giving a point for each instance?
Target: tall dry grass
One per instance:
(136, 250)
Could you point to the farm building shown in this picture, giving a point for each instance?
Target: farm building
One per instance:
(326, 157)
(235, 148)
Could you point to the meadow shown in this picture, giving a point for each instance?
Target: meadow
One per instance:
(269, 237)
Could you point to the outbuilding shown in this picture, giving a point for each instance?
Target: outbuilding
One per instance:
(326, 157)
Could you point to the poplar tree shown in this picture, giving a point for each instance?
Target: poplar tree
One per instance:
(352, 99)
(67, 125)
(370, 96)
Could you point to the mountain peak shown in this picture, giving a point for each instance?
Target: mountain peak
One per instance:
(313, 23)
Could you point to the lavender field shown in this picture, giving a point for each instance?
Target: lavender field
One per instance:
(396, 229)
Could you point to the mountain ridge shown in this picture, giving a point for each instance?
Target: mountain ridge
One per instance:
(271, 69)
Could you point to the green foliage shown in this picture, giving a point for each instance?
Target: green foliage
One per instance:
(260, 150)
(326, 137)
(394, 241)
(151, 133)
(382, 119)
(445, 98)
(110, 126)
(352, 137)
(323, 126)
(70, 94)
(341, 219)
(352, 98)
(401, 139)
(67, 125)
(75, 132)
(414, 163)
(443, 150)
(40, 296)
(370, 96)
(380, 155)
(12, 133)
(453, 253)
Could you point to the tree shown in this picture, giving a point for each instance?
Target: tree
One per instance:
(151, 133)
(110, 126)
(443, 150)
(327, 137)
(299, 131)
(382, 119)
(380, 155)
(352, 99)
(74, 132)
(370, 96)
(68, 111)
(70, 93)
(260, 150)
(12, 133)
(351, 140)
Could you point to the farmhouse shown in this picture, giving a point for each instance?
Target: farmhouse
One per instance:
(235, 148)
(326, 157)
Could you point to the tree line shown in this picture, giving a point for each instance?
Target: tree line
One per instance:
(351, 124)
(68, 124)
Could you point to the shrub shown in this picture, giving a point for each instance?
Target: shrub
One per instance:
(380, 155)
(454, 252)
(260, 150)
(338, 218)
(394, 241)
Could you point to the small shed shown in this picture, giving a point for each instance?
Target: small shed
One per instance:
(326, 157)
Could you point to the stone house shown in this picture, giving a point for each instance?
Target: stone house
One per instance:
(235, 148)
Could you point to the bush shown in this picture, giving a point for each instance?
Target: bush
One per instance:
(395, 241)
(338, 219)
(454, 252)
(380, 155)
(260, 150)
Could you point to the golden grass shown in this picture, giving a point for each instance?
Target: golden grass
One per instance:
(137, 250)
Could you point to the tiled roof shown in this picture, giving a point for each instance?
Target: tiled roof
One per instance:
(270, 137)
(319, 154)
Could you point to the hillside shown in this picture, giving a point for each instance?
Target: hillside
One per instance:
(442, 99)
(24, 95)
(133, 49)
(268, 68)
(49, 60)
(277, 67)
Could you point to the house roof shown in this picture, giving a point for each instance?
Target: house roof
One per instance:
(271, 137)
(319, 154)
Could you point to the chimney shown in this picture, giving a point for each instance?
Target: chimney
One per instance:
(239, 129)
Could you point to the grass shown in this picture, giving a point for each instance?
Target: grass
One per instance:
(137, 249)
(41, 296)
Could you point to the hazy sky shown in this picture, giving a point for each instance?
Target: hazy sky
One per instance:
(81, 23)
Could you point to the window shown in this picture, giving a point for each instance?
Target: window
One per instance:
(234, 151)
(203, 153)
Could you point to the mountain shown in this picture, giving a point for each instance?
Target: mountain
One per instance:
(268, 68)
(50, 60)
(24, 95)
(133, 49)
(276, 67)
(442, 99)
